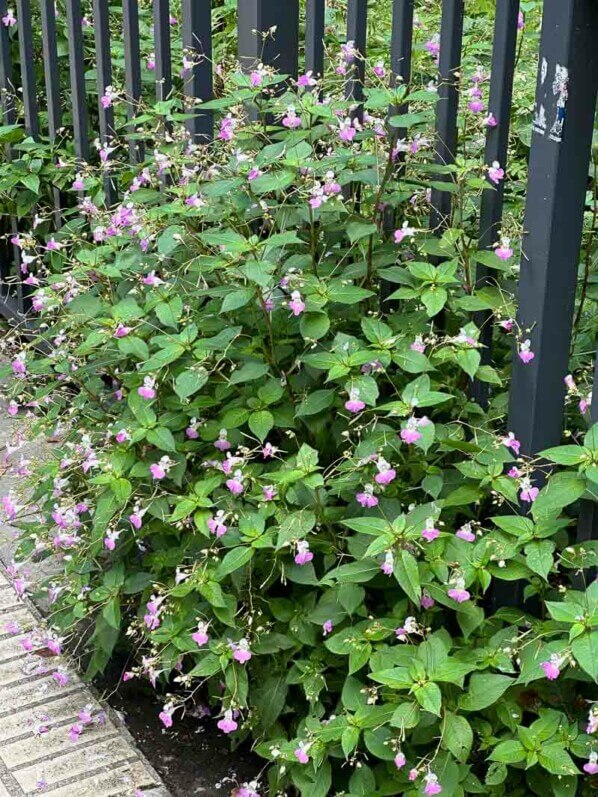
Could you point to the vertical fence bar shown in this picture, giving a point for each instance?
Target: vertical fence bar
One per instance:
(52, 83)
(401, 44)
(162, 49)
(104, 79)
(10, 253)
(197, 42)
(357, 31)
(279, 48)
(27, 67)
(497, 140)
(587, 525)
(132, 72)
(558, 174)
(451, 37)
(314, 36)
(77, 73)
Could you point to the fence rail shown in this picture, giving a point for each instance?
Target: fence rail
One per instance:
(560, 151)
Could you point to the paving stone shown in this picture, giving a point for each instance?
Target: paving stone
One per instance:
(12, 672)
(51, 712)
(89, 760)
(33, 693)
(119, 781)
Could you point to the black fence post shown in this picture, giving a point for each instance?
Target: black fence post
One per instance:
(314, 36)
(558, 173)
(268, 33)
(197, 43)
(104, 82)
(357, 31)
(162, 54)
(132, 74)
(558, 177)
(587, 524)
(451, 38)
(28, 86)
(52, 82)
(77, 72)
(497, 140)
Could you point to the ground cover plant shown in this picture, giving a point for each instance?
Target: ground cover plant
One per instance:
(272, 487)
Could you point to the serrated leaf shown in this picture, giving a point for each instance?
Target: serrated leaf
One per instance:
(261, 423)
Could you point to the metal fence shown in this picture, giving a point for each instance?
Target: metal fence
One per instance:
(558, 170)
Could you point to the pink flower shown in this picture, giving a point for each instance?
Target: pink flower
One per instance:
(200, 637)
(297, 305)
(379, 69)
(476, 106)
(495, 172)
(269, 492)
(592, 725)
(429, 532)
(306, 80)
(507, 325)
(520, 21)
(111, 539)
(388, 565)
(254, 174)
(459, 594)
(433, 46)
(61, 678)
(227, 128)
(227, 724)
(303, 555)
(268, 451)
(347, 130)
(158, 471)
(122, 436)
(432, 785)
(165, 716)
(490, 120)
(222, 443)
(53, 246)
(136, 520)
(404, 232)
(122, 331)
(400, 760)
(256, 78)
(413, 773)
(241, 651)
(427, 601)
(367, 498)
(327, 627)
(18, 366)
(147, 390)
(410, 434)
(354, 404)
(194, 201)
(235, 485)
(151, 279)
(216, 524)
(385, 474)
(526, 355)
(291, 120)
(418, 345)
(465, 533)
(514, 473)
(78, 184)
(9, 19)
(528, 493)
(510, 441)
(151, 62)
(592, 766)
(301, 754)
(75, 731)
(552, 667)
(13, 408)
(108, 97)
(504, 251)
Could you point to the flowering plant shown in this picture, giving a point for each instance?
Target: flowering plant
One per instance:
(272, 485)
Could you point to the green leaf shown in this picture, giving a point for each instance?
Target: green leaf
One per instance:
(212, 593)
(469, 361)
(585, 650)
(189, 382)
(111, 612)
(509, 752)
(429, 697)
(434, 300)
(233, 561)
(249, 372)
(457, 735)
(314, 326)
(565, 455)
(356, 230)
(315, 402)
(406, 573)
(269, 699)
(562, 489)
(237, 299)
(170, 311)
(162, 438)
(556, 760)
(539, 557)
(483, 690)
(261, 423)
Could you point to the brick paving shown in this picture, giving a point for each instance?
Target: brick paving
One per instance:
(103, 761)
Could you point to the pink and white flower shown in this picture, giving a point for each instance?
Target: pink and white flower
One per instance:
(354, 404)
(200, 636)
(495, 172)
(552, 667)
(227, 724)
(526, 355)
(296, 304)
(367, 498)
(148, 390)
(303, 555)
(241, 651)
(429, 531)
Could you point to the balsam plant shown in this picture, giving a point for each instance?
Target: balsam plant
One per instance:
(271, 485)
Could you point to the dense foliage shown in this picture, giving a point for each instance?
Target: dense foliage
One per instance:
(273, 488)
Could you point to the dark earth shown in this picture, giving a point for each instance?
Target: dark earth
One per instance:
(193, 757)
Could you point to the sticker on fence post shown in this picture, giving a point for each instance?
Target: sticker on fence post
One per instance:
(559, 89)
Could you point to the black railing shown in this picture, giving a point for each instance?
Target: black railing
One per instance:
(558, 167)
